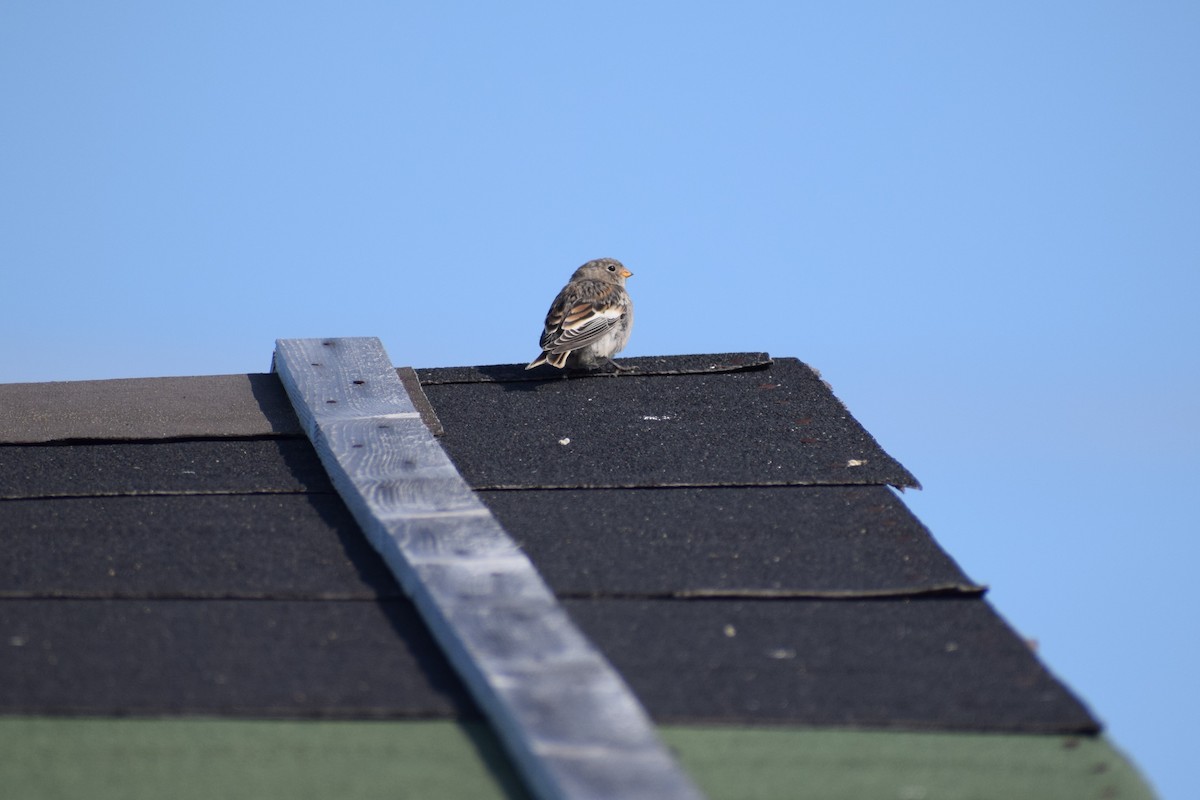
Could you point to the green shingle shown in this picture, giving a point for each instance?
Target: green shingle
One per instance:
(51, 758)
(778, 763)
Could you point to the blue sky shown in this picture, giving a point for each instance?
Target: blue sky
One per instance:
(979, 221)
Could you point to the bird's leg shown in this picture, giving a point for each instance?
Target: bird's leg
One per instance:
(618, 368)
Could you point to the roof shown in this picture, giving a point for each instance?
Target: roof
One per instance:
(719, 526)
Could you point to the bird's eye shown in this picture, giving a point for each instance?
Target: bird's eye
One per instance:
(612, 267)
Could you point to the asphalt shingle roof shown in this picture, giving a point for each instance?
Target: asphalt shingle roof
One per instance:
(175, 547)
(701, 422)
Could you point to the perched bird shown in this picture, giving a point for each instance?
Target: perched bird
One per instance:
(589, 322)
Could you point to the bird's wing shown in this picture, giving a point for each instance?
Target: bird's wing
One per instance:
(580, 315)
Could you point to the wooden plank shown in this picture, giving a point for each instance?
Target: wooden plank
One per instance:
(571, 725)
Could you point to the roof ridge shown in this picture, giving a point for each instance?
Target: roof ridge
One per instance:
(637, 367)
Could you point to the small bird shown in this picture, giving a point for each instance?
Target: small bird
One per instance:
(589, 322)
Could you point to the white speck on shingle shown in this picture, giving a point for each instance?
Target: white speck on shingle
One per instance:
(856, 462)
(654, 418)
(566, 440)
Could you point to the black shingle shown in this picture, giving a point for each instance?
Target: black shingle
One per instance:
(264, 545)
(832, 539)
(170, 467)
(645, 366)
(227, 657)
(924, 664)
(778, 425)
(947, 664)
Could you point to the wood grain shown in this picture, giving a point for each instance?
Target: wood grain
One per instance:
(571, 725)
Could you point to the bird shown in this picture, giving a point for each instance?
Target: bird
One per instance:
(590, 319)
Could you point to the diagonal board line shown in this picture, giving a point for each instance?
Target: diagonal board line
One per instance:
(571, 725)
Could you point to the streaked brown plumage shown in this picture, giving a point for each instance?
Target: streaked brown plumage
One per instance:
(590, 320)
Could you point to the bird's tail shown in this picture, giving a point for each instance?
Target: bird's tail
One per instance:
(558, 360)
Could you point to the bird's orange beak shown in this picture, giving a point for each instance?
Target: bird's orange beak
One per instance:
(626, 273)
